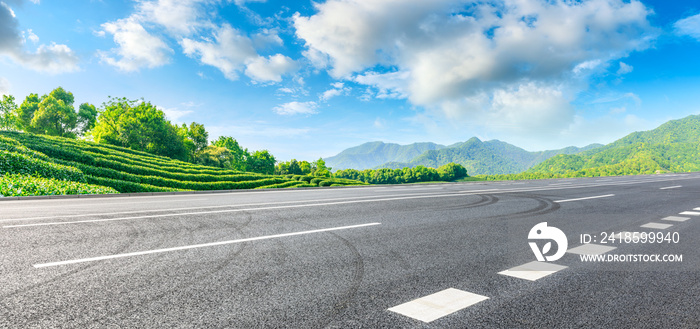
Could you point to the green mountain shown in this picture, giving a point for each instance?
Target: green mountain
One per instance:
(673, 146)
(485, 158)
(372, 154)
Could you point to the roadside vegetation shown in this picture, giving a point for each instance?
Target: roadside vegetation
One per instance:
(47, 147)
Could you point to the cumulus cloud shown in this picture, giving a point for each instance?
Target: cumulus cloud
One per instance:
(269, 69)
(338, 89)
(181, 17)
(460, 57)
(228, 51)
(137, 47)
(689, 26)
(53, 58)
(294, 108)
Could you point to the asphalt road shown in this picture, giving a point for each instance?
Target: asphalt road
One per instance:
(409, 256)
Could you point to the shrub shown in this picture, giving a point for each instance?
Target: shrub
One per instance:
(25, 185)
(17, 163)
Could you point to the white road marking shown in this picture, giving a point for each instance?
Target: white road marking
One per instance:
(196, 208)
(670, 187)
(139, 253)
(691, 213)
(437, 305)
(676, 218)
(232, 210)
(533, 271)
(657, 226)
(591, 249)
(586, 198)
(697, 208)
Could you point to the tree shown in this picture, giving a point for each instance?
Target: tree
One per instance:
(25, 112)
(140, 126)
(198, 135)
(261, 162)
(321, 169)
(87, 118)
(239, 155)
(214, 156)
(8, 110)
(54, 116)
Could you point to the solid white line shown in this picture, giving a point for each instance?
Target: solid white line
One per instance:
(195, 208)
(139, 253)
(670, 187)
(232, 210)
(587, 198)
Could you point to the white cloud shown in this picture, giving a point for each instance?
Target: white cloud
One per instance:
(175, 115)
(54, 58)
(689, 26)
(338, 89)
(269, 69)
(243, 2)
(32, 37)
(137, 47)
(458, 57)
(388, 85)
(294, 108)
(228, 52)
(624, 69)
(179, 17)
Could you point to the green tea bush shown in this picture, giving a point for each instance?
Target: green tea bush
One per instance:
(17, 163)
(25, 185)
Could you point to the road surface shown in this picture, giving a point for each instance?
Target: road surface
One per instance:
(405, 256)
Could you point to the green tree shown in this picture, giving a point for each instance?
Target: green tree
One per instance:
(140, 126)
(320, 168)
(54, 116)
(25, 112)
(261, 162)
(239, 155)
(198, 135)
(214, 156)
(87, 118)
(8, 110)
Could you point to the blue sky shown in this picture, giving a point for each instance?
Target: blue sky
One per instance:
(308, 79)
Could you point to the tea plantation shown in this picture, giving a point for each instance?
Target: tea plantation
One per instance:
(45, 165)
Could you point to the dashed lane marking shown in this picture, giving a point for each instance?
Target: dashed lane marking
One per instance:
(676, 218)
(657, 226)
(533, 270)
(670, 187)
(691, 213)
(437, 305)
(591, 249)
(586, 198)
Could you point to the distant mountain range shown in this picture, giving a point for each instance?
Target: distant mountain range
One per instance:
(490, 157)
(674, 146)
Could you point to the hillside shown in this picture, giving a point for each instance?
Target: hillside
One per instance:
(32, 160)
(373, 154)
(673, 146)
(490, 157)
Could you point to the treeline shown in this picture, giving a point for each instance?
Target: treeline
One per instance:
(447, 173)
(135, 124)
